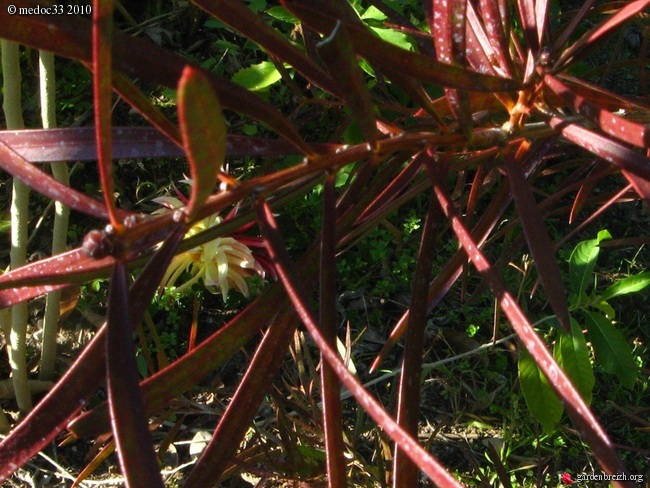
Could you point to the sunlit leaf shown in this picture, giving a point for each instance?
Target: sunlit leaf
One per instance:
(583, 261)
(630, 284)
(204, 134)
(612, 351)
(258, 76)
(574, 357)
(540, 398)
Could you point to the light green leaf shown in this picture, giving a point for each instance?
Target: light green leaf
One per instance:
(583, 261)
(282, 14)
(612, 352)
(540, 398)
(257, 77)
(203, 129)
(396, 38)
(572, 354)
(605, 307)
(374, 13)
(627, 285)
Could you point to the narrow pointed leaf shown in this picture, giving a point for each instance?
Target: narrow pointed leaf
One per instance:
(385, 55)
(244, 20)
(602, 146)
(416, 453)
(336, 51)
(241, 411)
(102, 61)
(612, 351)
(408, 400)
(537, 238)
(130, 425)
(83, 378)
(78, 144)
(614, 125)
(44, 184)
(330, 385)
(204, 134)
(70, 36)
(603, 29)
(582, 416)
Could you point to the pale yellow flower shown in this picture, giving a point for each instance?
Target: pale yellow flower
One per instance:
(221, 264)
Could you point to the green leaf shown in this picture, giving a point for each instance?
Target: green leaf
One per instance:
(282, 14)
(204, 134)
(583, 261)
(612, 352)
(394, 37)
(573, 356)
(258, 76)
(540, 398)
(627, 285)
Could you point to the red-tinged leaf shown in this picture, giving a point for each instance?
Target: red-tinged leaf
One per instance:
(167, 384)
(204, 134)
(78, 144)
(330, 385)
(414, 450)
(406, 472)
(244, 20)
(83, 378)
(640, 185)
(102, 61)
(496, 27)
(241, 411)
(52, 413)
(452, 271)
(541, 16)
(70, 36)
(130, 425)
(392, 58)
(603, 147)
(601, 30)
(481, 48)
(43, 183)
(605, 99)
(539, 242)
(527, 16)
(614, 125)
(584, 192)
(578, 410)
(337, 54)
(576, 20)
(143, 104)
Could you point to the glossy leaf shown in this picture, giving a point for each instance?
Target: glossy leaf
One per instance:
(540, 398)
(385, 55)
(244, 20)
(414, 450)
(574, 358)
(630, 284)
(69, 36)
(583, 261)
(130, 426)
(204, 134)
(612, 351)
(102, 62)
(240, 413)
(83, 378)
(336, 51)
(44, 184)
(614, 125)
(537, 237)
(583, 418)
